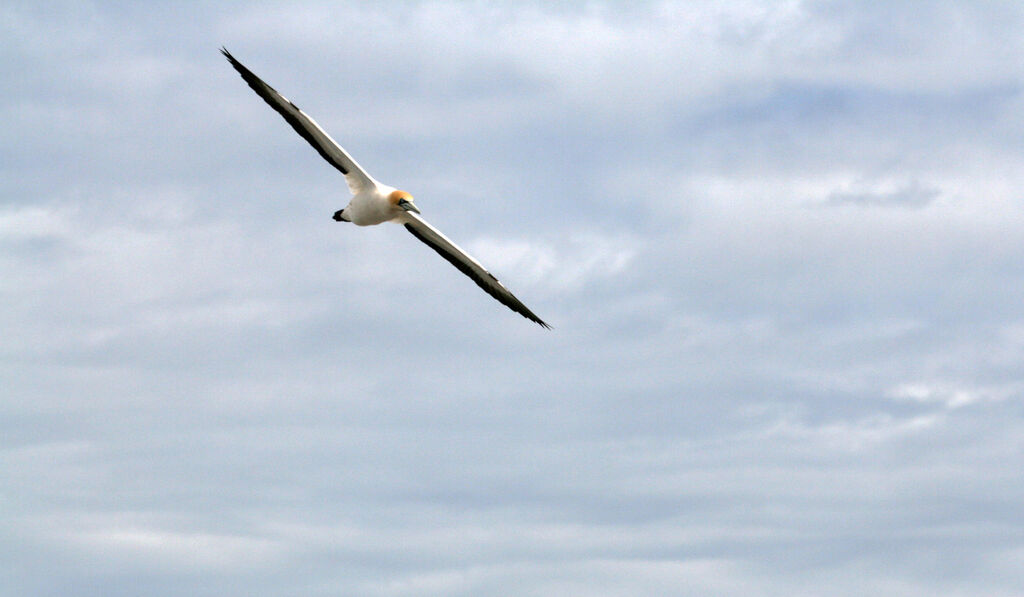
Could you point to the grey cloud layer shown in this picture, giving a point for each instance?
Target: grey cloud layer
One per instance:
(779, 244)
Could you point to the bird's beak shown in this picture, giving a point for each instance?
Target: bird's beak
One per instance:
(408, 206)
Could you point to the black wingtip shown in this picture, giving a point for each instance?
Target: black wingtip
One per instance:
(234, 63)
(532, 317)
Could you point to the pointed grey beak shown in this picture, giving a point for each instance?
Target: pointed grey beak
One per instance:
(408, 206)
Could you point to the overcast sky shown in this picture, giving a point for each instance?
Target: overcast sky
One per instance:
(781, 245)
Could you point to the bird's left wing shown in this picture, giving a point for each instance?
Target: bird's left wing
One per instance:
(433, 238)
(305, 126)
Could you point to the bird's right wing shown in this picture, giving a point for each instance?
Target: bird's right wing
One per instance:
(433, 238)
(305, 126)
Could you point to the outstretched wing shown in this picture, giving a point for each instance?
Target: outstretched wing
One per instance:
(467, 265)
(305, 126)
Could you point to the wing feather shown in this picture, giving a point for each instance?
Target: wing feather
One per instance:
(306, 127)
(433, 238)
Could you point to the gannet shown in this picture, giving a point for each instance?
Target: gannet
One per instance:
(375, 203)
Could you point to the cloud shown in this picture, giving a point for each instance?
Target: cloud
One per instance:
(176, 551)
(911, 195)
(578, 260)
(951, 396)
(779, 244)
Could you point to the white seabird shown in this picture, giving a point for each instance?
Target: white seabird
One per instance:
(374, 203)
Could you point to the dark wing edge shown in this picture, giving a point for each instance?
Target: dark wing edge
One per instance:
(478, 274)
(305, 126)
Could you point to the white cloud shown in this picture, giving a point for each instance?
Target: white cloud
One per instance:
(209, 386)
(568, 265)
(19, 224)
(855, 435)
(952, 395)
(178, 551)
(911, 195)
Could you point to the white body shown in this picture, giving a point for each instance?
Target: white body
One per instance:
(371, 206)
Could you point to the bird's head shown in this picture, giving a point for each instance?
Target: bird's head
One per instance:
(402, 201)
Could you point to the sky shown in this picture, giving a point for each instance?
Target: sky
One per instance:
(779, 244)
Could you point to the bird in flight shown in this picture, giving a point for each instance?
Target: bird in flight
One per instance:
(373, 202)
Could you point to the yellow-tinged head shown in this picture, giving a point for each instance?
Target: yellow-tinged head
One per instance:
(403, 201)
